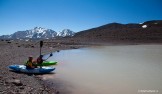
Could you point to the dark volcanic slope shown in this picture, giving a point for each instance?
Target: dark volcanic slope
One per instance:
(150, 31)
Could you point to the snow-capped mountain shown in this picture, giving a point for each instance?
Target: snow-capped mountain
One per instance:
(39, 32)
(66, 32)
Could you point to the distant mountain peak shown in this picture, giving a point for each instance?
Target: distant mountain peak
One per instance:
(39, 32)
(39, 29)
(66, 32)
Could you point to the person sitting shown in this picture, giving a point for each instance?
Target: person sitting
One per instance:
(40, 60)
(29, 63)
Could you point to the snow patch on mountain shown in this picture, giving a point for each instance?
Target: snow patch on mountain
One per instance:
(144, 26)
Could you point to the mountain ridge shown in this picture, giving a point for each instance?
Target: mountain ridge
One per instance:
(149, 31)
(38, 33)
(134, 32)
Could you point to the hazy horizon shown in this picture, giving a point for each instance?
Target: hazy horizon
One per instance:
(76, 15)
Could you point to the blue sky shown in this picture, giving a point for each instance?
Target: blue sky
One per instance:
(77, 15)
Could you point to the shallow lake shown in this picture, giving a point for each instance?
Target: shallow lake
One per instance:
(132, 69)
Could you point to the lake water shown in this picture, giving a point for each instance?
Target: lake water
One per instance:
(132, 69)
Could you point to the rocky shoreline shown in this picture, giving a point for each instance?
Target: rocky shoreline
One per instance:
(15, 52)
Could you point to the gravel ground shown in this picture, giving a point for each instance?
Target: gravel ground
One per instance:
(17, 53)
(15, 83)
